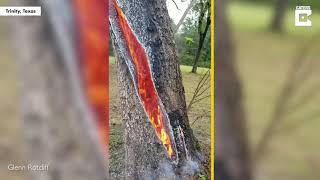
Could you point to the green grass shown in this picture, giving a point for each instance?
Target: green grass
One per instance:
(263, 61)
(187, 69)
(263, 64)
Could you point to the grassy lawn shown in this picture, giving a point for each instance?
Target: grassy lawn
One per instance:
(263, 61)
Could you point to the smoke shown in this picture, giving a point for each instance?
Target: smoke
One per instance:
(190, 168)
(166, 170)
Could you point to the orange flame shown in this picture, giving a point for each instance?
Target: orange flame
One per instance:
(145, 86)
(92, 24)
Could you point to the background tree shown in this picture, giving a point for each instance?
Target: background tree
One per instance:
(231, 144)
(187, 42)
(204, 21)
(145, 155)
(279, 15)
(190, 6)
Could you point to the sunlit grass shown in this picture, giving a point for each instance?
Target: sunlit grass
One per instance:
(257, 17)
(263, 61)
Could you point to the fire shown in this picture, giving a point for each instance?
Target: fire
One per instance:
(92, 24)
(144, 83)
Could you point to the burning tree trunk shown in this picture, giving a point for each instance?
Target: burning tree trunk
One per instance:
(159, 142)
(231, 144)
(57, 111)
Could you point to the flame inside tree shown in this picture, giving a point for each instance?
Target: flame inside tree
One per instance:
(144, 85)
(93, 41)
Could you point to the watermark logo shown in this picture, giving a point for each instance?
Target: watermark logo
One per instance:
(303, 16)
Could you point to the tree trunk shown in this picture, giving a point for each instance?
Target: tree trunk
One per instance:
(200, 46)
(202, 34)
(279, 15)
(232, 160)
(57, 123)
(150, 28)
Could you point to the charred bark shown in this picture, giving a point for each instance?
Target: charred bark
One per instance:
(231, 144)
(146, 157)
(57, 125)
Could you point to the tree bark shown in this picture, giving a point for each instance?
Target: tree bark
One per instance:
(279, 15)
(145, 155)
(232, 160)
(57, 124)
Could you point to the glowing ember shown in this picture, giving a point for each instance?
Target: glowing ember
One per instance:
(144, 84)
(93, 40)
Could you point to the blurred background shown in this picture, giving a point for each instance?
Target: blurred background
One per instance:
(10, 132)
(53, 100)
(279, 71)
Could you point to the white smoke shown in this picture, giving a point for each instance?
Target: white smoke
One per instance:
(190, 168)
(166, 170)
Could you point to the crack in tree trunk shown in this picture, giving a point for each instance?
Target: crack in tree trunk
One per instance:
(145, 155)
